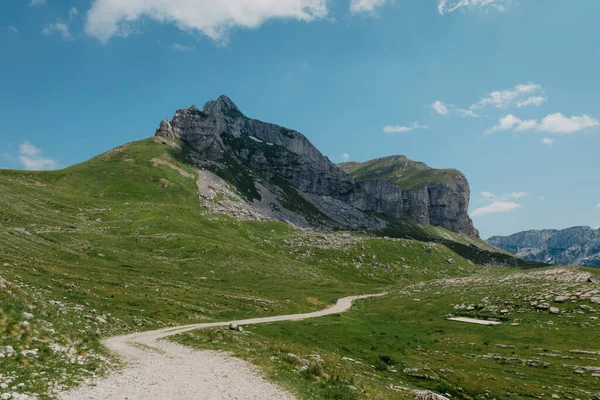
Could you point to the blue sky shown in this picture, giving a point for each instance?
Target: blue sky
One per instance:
(507, 91)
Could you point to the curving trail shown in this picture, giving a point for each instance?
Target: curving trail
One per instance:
(158, 369)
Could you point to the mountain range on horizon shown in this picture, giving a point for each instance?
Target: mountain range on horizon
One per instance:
(577, 246)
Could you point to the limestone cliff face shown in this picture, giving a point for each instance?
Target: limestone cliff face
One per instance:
(573, 246)
(220, 133)
(404, 188)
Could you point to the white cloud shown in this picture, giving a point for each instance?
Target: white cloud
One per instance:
(357, 6)
(440, 108)
(467, 113)
(73, 13)
(505, 98)
(496, 207)
(30, 156)
(552, 123)
(542, 198)
(522, 95)
(548, 141)
(34, 3)
(598, 205)
(509, 122)
(532, 101)
(108, 18)
(28, 149)
(182, 47)
(558, 123)
(447, 6)
(13, 29)
(345, 156)
(402, 129)
(489, 196)
(59, 28)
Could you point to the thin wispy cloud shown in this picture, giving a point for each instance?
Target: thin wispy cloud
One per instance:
(499, 203)
(34, 3)
(31, 158)
(182, 47)
(345, 157)
(402, 129)
(552, 123)
(598, 205)
(548, 141)
(447, 109)
(109, 18)
(448, 6)
(13, 29)
(495, 208)
(358, 6)
(522, 95)
(73, 13)
(504, 197)
(58, 28)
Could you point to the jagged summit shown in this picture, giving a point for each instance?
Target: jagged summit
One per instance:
(269, 161)
(223, 105)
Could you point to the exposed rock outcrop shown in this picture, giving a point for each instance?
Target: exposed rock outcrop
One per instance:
(572, 246)
(283, 159)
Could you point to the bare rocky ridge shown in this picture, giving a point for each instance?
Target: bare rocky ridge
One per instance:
(266, 159)
(578, 246)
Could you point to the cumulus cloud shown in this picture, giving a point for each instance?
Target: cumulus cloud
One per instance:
(496, 207)
(548, 141)
(402, 129)
(108, 18)
(59, 28)
(357, 6)
(552, 123)
(30, 157)
(345, 157)
(448, 6)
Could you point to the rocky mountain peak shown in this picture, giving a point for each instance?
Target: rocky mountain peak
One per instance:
(223, 105)
(251, 150)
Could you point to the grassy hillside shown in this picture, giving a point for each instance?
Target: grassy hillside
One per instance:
(387, 348)
(121, 243)
(405, 173)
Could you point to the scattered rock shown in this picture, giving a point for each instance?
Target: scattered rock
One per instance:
(235, 327)
(554, 310)
(427, 395)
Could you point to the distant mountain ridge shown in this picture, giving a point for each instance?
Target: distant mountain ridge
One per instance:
(572, 246)
(285, 177)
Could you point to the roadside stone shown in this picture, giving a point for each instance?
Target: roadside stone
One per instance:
(235, 327)
(427, 395)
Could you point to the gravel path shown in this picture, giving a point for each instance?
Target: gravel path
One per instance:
(158, 369)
